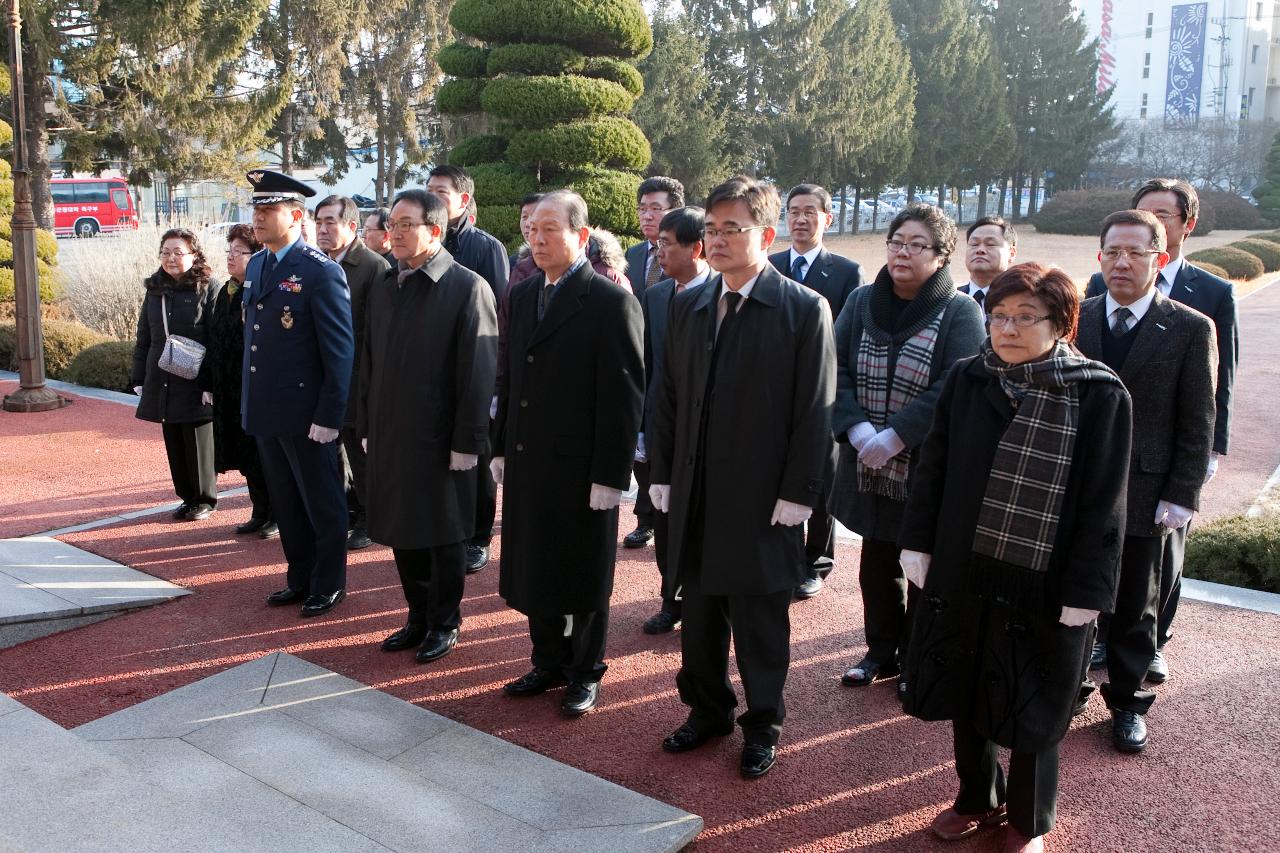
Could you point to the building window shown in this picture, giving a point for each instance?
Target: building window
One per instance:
(1259, 15)
(1146, 67)
(1151, 19)
(1142, 113)
(1253, 55)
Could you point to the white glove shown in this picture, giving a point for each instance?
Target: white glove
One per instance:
(1213, 467)
(364, 445)
(660, 497)
(322, 435)
(493, 407)
(880, 449)
(496, 467)
(462, 461)
(1172, 516)
(915, 565)
(206, 398)
(137, 389)
(603, 497)
(641, 456)
(1074, 617)
(788, 514)
(860, 434)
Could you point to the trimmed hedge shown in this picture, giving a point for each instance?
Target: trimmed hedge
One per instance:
(1237, 264)
(1213, 269)
(500, 220)
(535, 59)
(46, 243)
(1268, 253)
(500, 184)
(614, 27)
(624, 74)
(608, 141)
(463, 60)
(475, 150)
(1230, 212)
(456, 97)
(106, 365)
(1269, 236)
(1079, 212)
(1237, 551)
(543, 101)
(50, 289)
(610, 197)
(63, 341)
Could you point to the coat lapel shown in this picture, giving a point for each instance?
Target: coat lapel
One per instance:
(1088, 334)
(565, 302)
(1184, 286)
(1151, 338)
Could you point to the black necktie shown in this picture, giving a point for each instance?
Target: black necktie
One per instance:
(797, 268)
(1121, 321)
(980, 296)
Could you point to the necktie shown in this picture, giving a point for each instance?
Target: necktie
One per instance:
(654, 272)
(797, 268)
(981, 297)
(545, 301)
(1120, 323)
(731, 300)
(268, 266)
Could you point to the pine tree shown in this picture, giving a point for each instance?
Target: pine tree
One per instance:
(1268, 192)
(46, 245)
(736, 56)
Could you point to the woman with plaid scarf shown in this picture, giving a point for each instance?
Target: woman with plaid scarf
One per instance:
(1013, 533)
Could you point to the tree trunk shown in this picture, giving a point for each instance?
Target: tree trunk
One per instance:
(844, 206)
(1031, 202)
(381, 183)
(960, 207)
(911, 193)
(857, 209)
(1004, 189)
(1015, 206)
(982, 199)
(38, 91)
(875, 214)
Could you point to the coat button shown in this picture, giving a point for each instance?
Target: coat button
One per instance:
(256, 327)
(259, 306)
(253, 369)
(529, 359)
(253, 348)
(524, 404)
(519, 448)
(302, 385)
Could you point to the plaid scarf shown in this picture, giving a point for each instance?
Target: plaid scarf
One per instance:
(1018, 521)
(883, 392)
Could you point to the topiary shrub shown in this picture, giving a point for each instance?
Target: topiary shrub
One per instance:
(478, 149)
(1230, 212)
(1269, 236)
(611, 27)
(63, 341)
(50, 288)
(541, 101)
(107, 365)
(1268, 253)
(463, 60)
(501, 219)
(501, 184)
(610, 197)
(1080, 212)
(1237, 264)
(535, 59)
(1237, 551)
(1212, 269)
(624, 74)
(457, 97)
(607, 141)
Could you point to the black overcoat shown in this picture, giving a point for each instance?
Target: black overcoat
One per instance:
(768, 431)
(1009, 665)
(232, 448)
(364, 268)
(569, 402)
(426, 380)
(167, 398)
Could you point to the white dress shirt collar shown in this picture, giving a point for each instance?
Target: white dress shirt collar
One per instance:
(695, 281)
(744, 291)
(1138, 308)
(1169, 275)
(809, 257)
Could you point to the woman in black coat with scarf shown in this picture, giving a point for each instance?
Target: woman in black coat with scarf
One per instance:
(1013, 530)
(895, 341)
(179, 294)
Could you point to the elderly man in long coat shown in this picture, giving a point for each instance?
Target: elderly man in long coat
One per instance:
(569, 403)
(427, 373)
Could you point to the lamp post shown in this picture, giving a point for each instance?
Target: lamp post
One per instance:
(32, 396)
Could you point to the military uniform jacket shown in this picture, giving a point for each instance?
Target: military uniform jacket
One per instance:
(569, 406)
(364, 269)
(298, 343)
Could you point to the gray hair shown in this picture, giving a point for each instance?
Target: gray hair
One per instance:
(573, 205)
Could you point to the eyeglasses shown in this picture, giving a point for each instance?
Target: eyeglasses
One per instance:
(237, 253)
(403, 226)
(374, 228)
(913, 249)
(642, 209)
(1022, 321)
(664, 243)
(166, 255)
(1165, 215)
(1131, 254)
(712, 233)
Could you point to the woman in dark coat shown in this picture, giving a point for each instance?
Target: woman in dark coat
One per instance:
(895, 341)
(182, 290)
(1014, 529)
(233, 450)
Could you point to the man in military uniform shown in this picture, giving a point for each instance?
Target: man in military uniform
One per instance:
(298, 351)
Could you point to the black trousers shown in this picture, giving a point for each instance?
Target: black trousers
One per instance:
(486, 499)
(310, 506)
(886, 598)
(645, 513)
(1175, 549)
(572, 644)
(259, 497)
(820, 539)
(661, 542)
(1032, 789)
(1131, 633)
(190, 451)
(356, 466)
(433, 580)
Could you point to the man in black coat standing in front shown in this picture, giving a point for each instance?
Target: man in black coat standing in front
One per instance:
(740, 448)
(1166, 355)
(427, 375)
(1177, 206)
(833, 278)
(569, 402)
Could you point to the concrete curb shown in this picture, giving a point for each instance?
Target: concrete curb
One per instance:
(1231, 596)
(80, 390)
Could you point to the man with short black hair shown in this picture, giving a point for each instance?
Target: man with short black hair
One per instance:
(991, 244)
(809, 263)
(375, 234)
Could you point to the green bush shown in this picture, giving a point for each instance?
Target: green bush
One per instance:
(500, 220)
(49, 286)
(460, 96)
(463, 60)
(1080, 212)
(1238, 264)
(607, 141)
(63, 341)
(475, 150)
(1269, 236)
(46, 243)
(613, 27)
(1213, 269)
(610, 197)
(543, 101)
(107, 365)
(535, 59)
(1268, 253)
(1230, 212)
(501, 184)
(1237, 551)
(623, 73)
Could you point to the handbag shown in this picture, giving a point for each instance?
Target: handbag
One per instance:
(181, 356)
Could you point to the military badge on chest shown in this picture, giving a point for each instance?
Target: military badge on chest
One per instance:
(286, 318)
(292, 284)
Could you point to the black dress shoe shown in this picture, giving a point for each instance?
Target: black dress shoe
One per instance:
(199, 512)
(757, 759)
(1158, 670)
(812, 586)
(579, 698)
(285, 596)
(477, 558)
(1098, 659)
(253, 525)
(689, 736)
(317, 604)
(270, 531)
(533, 682)
(180, 514)
(1128, 731)
(406, 638)
(436, 645)
(358, 539)
(822, 567)
(866, 671)
(638, 538)
(661, 622)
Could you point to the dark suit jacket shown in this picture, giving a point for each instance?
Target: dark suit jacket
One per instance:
(656, 304)
(1215, 298)
(768, 432)
(636, 256)
(363, 268)
(1170, 374)
(832, 276)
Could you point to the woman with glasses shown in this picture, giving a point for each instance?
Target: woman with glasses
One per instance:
(1013, 530)
(179, 301)
(895, 340)
(233, 450)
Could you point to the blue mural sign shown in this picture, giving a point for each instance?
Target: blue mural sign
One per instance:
(1186, 65)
